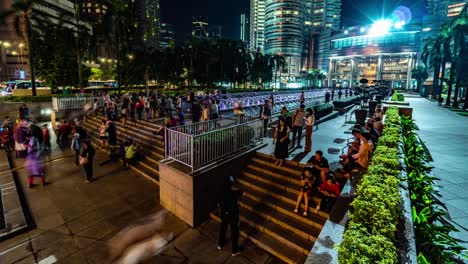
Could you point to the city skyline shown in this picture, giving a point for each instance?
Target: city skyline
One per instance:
(226, 13)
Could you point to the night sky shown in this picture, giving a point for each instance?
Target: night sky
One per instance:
(226, 13)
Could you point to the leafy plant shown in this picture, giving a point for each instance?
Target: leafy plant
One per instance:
(342, 103)
(398, 97)
(431, 226)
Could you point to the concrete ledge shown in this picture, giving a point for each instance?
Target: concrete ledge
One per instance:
(193, 197)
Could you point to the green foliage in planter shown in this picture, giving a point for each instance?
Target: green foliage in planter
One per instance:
(347, 101)
(398, 97)
(365, 247)
(431, 226)
(376, 209)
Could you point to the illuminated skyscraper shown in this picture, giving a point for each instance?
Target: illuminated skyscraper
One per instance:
(257, 24)
(445, 8)
(284, 31)
(244, 28)
(200, 27)
(326, 14)
(147, 27)
(167, 36)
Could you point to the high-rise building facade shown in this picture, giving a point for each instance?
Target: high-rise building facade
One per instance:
(326, 14)
(284, 31)
(14, 63)
(244, 29)
(167, 39)
(147, 26)
(257, 25)
(200, 27)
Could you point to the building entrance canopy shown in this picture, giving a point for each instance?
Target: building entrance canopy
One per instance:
(346, 71)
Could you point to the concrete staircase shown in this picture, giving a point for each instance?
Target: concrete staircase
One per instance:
(141, 131)
(266, 210)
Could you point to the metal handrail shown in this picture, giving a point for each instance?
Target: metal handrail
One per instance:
(199, 150)
(73, 103)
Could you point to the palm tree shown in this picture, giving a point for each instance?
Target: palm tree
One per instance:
(321, 76)
(460, 30)
(313, 76)
(21, 14)
(278, 63)
(420, 74)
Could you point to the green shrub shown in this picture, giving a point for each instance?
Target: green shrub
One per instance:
(376, 209)
(27, 99)
(365, 247)
(347, 101)
(398, 97)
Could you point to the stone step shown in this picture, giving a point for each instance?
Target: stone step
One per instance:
(286, 206)
(289, 223)
(266, 188)
(286, 169)
(147, 168)
(277, 183)
(276, 231)
(261, 169)
(280, 250)
(288, 164)
(141, 133)
(153, 153)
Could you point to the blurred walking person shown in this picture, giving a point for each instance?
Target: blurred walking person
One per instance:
(35, 168)
(87, 160)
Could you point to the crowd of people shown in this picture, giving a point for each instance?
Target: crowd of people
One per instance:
(317, 180)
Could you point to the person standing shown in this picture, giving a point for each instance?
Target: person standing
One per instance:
(229, 211)
(340, 93)
(302, 100)
(87, 159)
(298, 124)
(34, 168)
(111, 130)
(76, 147)
(281, 142)
(265, 115)
(309, 122)
(181, 116)
(46, 139)
(196, 112)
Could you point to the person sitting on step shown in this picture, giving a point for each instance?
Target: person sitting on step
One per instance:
(329, 193)
(307, 188)
(318, 164)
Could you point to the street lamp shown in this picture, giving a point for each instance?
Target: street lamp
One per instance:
(6, 44)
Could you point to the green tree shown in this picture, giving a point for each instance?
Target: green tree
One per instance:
(21, 14)
(420, 74)
(278, 63)
(460, 31)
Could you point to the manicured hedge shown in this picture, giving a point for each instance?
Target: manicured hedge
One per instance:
(322, 110)
(26, 99)
(398, 97)
(347, 101)
(370, 237)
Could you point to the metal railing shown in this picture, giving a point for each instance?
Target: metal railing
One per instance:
(72, 103)
(203, 127)
(199, 150)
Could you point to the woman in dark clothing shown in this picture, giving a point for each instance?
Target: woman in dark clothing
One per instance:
(281, 141)
(111, 132)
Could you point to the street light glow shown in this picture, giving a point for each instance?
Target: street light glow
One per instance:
(363, 29)
(380, 27)
(6, 44)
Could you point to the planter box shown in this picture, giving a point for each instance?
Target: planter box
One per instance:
(406, 111)
(360, 116)
(396, 103)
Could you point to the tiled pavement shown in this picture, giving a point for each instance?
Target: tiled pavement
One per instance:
(445, 135)
(75, 220)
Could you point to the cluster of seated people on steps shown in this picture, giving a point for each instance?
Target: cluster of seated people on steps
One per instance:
(129, 151)
(317, 180)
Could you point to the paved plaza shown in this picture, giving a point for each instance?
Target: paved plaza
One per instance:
(445, 134)
(75, 220)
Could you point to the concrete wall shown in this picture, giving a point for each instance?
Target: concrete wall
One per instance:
(11, 109)
(193, 197)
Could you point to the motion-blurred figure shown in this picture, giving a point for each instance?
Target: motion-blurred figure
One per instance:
(140, 241)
